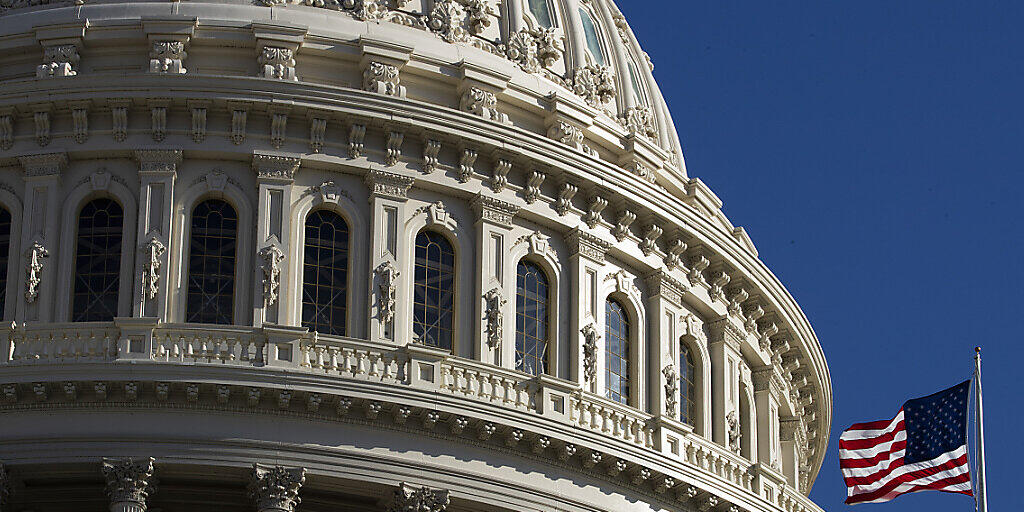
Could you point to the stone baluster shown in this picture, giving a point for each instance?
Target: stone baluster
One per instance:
(128, 483)
(276, 488)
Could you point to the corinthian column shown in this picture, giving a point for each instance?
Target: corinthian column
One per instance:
(276, 488)
(418, 499)
(128, 483)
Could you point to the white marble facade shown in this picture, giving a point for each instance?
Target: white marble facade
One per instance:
(516, 131)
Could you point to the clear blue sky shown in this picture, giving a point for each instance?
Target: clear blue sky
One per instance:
(875, 153)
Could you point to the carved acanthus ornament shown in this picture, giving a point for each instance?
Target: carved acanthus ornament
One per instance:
(153, 249)
(590, 337)
(532, 192)
(479, 14)
(570, 135)
(58, 60)
(276, 488)
(419, 499)
(382, 78)
(482, 103)
(167, 57)
(650, 240)
(493, 316)
(34, 270)
(671, 389)
(387, 281)
(128, 483)
(595, 84)
(446, 18)
(564, 202)
(621, 229)
(271, 257)
(639, 121)
(733, 423)
(277, 62)
(534, 50)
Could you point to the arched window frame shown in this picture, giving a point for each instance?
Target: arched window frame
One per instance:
(542, 254)
(689, 377)
(534, 23)
(550, 354)
(604, 59)
(637, 81)
(358, 230)
(301, 281)
(620, 286)
(212, 186)
(441, 218)
(13, 205)
(94, 187)
(454, 292)
(694, 337)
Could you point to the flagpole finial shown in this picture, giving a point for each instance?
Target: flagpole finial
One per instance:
(977, 350)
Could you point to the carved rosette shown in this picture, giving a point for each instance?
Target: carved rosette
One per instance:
(408, 498)
(595, 84)
(128, 482)
(446, 19)
(34, 270)
(276, 488)
(492, 314)
(271, 257)
(153, 250)
(590, 337)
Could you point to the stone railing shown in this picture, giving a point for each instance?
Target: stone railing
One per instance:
(716, 459)
(598, 414)
(206, 343)
(60, 343)
(488, 383)
(350, 358)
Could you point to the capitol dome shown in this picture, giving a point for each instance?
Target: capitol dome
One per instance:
(376, 255)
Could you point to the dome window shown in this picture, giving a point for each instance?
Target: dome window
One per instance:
(616, 371)
(532, 294)
(97, 261)
(541, 11)
(211, 263)
(593, 41)
(325, 273)
(434, 290)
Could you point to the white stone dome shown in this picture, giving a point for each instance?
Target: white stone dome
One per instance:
(377, 254)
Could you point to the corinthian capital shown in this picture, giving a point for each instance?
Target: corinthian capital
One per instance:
(128, 483)
(419, 499)
(276, 488)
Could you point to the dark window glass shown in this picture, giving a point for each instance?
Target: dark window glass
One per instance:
(542, 11)
(590, 33)
(434, 290)
(325, 273)
(531, 319)
(687, 382)
(616, 335)
(97, 261)
(5, 248)
(211, 263)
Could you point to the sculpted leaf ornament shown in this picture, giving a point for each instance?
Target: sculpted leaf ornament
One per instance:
(595, 84)
(154, 249)
(34, 270)
(272, 256)
(408, 498)
(387, 276)
(446, 18)
(276, 488)
(128, 480)
(671, 389)
(590, 337)
(493, 316)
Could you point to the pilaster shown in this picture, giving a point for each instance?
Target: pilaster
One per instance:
(128, 483)
(724, 346)
(767, 395)
(40, 229)
(157, 173)
(664, 308)
(388, 198)
(586, 325)
(495, 282)
(275, 174)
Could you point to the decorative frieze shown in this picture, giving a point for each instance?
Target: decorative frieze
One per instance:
(129, 483)
(389, 184)
(45, 164)
(58, 60)
(661, 283)
(275, 167)
(382, 78)
(408, 498)
(159, 161)
(166, 56)
(585, 244)
(277, 62)
(276, 488)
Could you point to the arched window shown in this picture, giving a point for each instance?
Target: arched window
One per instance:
(97, 261)
(325, 273)
(687, 385)
(541, 11)
(616, 336)
(531, 319)
(434, 290)
(590, 32)
(5, 248)
(634, 80)
(211, 263)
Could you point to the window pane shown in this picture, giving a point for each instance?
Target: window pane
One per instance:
(687, 385)
(5, 248)
(590, 31)
(634, 79)
(542, 12)
(531, 319)
(325, 273)
(616, 352)
(97, 261)
(434, 290)
(211, 269)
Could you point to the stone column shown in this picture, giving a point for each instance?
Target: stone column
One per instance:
(40, 229)
(5, 489)
(586, 322)
(514, 12)
(276, 488)
(388, 196)
(495, 282)
(791, 440)
(724, 346)
(664, 307)
(767, 395)
(157, 173)
(275, 174)
(128, 483)
(408, 498)
(574, 34)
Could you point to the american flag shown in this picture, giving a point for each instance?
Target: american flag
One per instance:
(923, 448)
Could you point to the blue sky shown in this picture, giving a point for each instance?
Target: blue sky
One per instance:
(873, 151)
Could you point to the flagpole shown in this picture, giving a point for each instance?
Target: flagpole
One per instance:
(979, 422)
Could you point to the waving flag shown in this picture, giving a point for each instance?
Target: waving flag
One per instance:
(923, 448)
